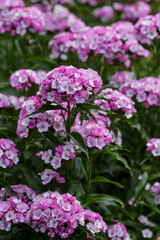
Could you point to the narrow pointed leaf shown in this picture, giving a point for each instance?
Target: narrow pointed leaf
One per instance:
(103, 179)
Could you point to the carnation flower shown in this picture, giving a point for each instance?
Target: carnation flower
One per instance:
(62, 152)
(94, 134)
(43, 121)
(143, 219)
(146, 233)
(146, 90)
(99, 40)
(105, 13)
(61, 214)
(24, 78)
(69, 84)
(147, 28)
(61, 18)
(7, 5)
(8, 153)
(117, 231)
(153, 145)
(11, 101)
(19, 20)
(48, 174)
(119, 78)
(133, 11)
(156, 190)
(117, 101)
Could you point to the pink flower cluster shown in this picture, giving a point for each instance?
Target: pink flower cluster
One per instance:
(105, 13)
(119, 78)
(43, 121)
(24, 78)
(99, 40)
(8, 153)
(15, 209)
(69, 84)
(25, 193)
(145, 90)
(48, 174)
(50, 211)
(94, 134)
(125, 30)
(118, 231)
(6, 5)
(153, 145)
(156, 190)
(7, 101)
(143, 219)
(133, 11)
(29, 106)
(19, 20)
(64, 152)
(117, 101)
(61, 18)
(147, 28)
(61, 214)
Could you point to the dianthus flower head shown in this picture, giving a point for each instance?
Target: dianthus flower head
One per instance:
(146, 233)
(11, 101)
(118, 231)
(119, 78)
(156, 190)
(94, 134)
(7, 5)
(61, 214)
(147, 28)
(99, 40)
(146, 90)
(153, 145)
(134, 11)
(25, 193)
(61, 19)
(24, 78)
(105, 13)
(62, 152)
(42, 121)
(19, 20)
(117, 101)
(48, 174)
(69, 84)
(8, 153)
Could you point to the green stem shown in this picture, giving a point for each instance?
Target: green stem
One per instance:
(89, 177)
(68, 121)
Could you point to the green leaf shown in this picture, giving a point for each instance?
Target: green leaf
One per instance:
(78, 139)
(94, 198)
(32, 180)
(125, 212)
(154, 176)
(52, 138)
(8, 188)
(121, 159)
(141, 185)
(92, 106)
(47, 107)
(84, 229)
(154, 208)
(74, 113)
(103, 179)
(101, 236)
